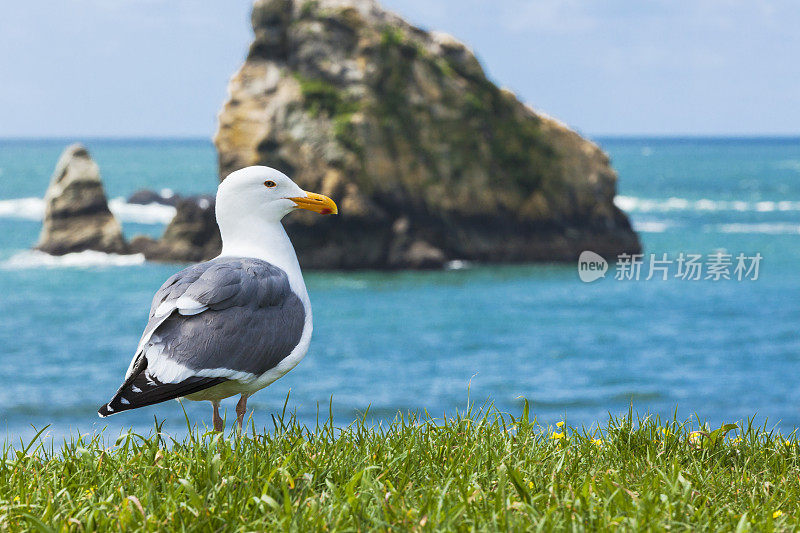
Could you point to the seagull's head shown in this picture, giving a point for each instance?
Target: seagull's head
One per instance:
(269, 193)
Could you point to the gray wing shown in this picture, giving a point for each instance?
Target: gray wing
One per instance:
(229, 318)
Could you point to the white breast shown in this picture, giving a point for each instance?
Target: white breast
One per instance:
(275, 248)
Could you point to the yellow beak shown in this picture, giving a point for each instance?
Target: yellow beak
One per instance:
(316, 202)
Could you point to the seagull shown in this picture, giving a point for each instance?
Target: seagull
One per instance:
(234, 324)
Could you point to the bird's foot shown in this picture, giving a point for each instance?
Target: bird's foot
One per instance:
(219, 425)
(241, 410)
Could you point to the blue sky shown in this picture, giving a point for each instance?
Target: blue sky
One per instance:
(160, 67)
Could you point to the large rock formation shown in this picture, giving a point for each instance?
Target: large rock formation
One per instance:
(192, 235)
(428, 160)
(76, 216)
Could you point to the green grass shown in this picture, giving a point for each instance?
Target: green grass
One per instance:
(479, 470)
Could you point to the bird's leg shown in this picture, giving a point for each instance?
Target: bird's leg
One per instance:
(218, 423)
(241, 409)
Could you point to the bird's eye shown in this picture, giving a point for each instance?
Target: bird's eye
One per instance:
(270, 184)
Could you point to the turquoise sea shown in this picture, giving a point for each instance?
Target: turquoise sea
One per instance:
(723, 350)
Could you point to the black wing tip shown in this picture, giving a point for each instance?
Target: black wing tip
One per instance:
(113, 407)
(152, 392)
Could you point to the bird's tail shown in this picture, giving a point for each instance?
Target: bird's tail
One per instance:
(142, 389)
(146, 392)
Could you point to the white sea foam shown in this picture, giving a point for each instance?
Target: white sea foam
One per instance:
(348, 283)
(458, 264)
(142, 214)
(24, 208)
(768, 228)
(651, 226)
(86, 259)
(33, 209)
(650, 205)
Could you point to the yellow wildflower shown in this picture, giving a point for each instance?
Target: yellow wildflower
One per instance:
(777, 513)
(597, 442)
(530, 484)
(560, 424)
(556, 436)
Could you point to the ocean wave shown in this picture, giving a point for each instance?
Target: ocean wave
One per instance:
(767, 228)
(141, 213)
(33, 209)
(347, 283)
(789, 164)
(86, 259)
(649, 205)
(458, 264)
(24, 208)
(651, 226)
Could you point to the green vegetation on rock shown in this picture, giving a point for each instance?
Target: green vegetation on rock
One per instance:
(345, 133)
(308, 8)
(321, 97)
(476, 470)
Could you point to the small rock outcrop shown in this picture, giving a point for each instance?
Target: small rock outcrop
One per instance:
(193, 234)
(147, 197)
(428, 159)
(76, 216)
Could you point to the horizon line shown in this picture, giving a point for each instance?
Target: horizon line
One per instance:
(590, 136)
